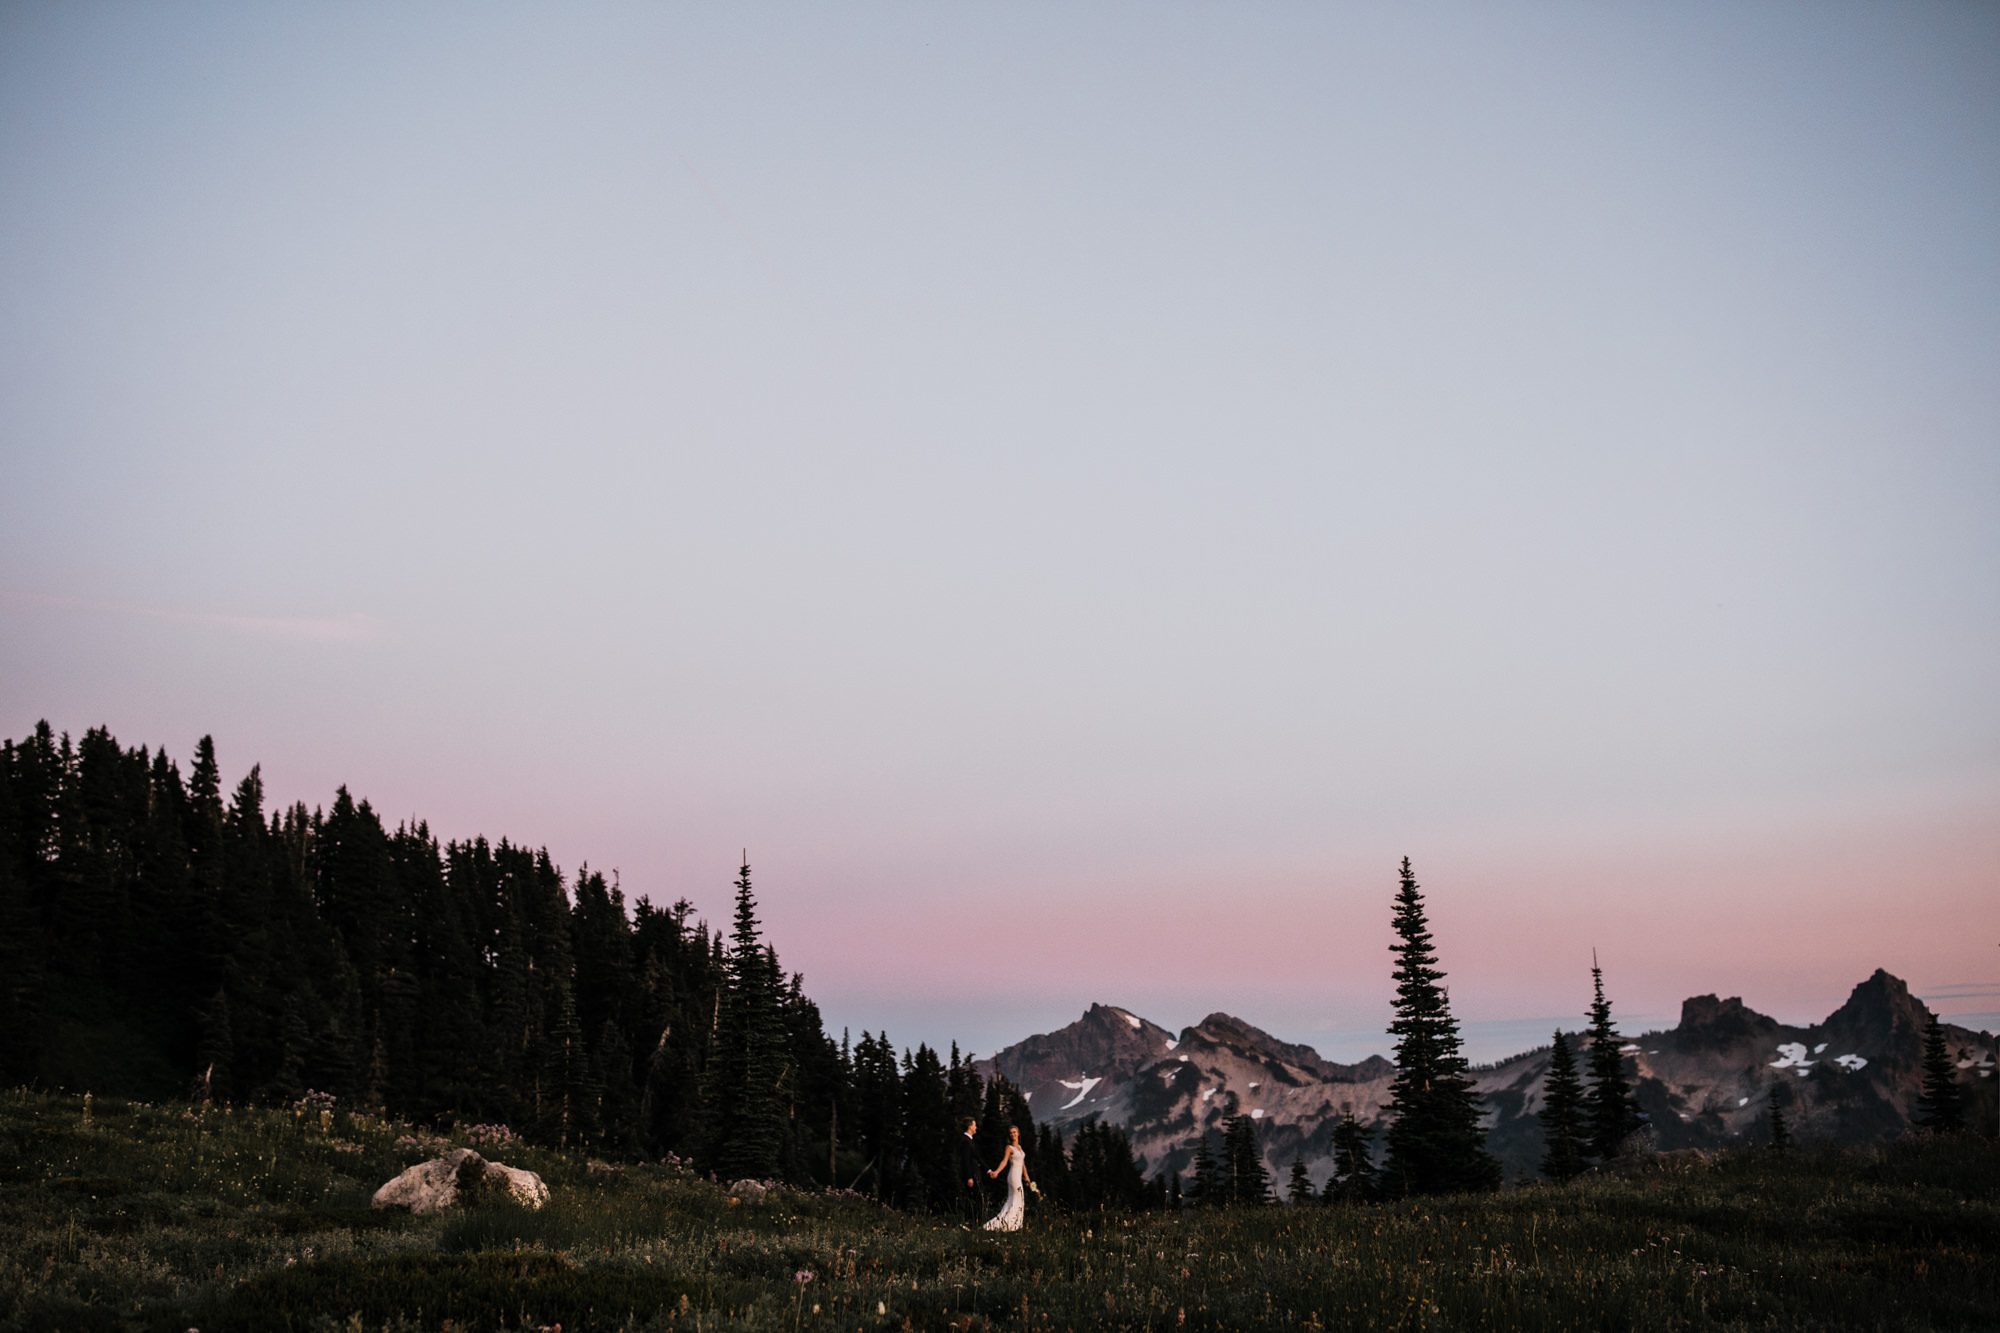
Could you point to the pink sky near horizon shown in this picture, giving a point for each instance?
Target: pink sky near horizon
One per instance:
(1789, 915)
(1078, 492)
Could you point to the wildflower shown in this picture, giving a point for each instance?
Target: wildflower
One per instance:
(803, 1276)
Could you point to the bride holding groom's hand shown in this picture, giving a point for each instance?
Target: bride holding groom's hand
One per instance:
(1015, 1163)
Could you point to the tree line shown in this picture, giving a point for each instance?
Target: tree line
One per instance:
(163, 938)
(160, 939)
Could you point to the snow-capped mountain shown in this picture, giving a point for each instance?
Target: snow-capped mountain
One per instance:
(1705, 1083)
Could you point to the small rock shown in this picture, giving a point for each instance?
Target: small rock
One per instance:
(749, 1191)
(439, 1183)
(522, 1187)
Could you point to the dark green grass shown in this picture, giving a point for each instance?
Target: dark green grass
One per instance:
(159, 1219)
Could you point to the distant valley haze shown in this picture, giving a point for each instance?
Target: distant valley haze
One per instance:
(1078, 492)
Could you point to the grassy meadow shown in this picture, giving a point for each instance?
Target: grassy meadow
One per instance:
(165, 1218)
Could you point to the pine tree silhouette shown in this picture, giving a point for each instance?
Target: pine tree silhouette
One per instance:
(1613, 1111)
(1566, 1148)
(1353, 1179)
(1941, 1103)
(928, 1135)
(1781, 1133)
(1205, 1190)
(1248, 1182)
(878, 1116)
(1436, 1144)
(741, 1088)
(1301, 1187)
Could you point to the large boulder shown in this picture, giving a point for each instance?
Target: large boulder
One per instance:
(460, 1176)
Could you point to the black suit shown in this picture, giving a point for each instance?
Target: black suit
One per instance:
(973, 1201)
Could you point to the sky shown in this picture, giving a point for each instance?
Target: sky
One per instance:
(1078, 492)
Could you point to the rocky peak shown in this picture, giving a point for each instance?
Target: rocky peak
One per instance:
(1106, 1040)
(1251, 1041)
(1374, 1067)
(1704, 1018)
(1880, 1018)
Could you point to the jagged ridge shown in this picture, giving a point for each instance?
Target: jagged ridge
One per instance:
(1705, 1083)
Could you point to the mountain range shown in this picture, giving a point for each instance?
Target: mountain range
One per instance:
(1705, 1083)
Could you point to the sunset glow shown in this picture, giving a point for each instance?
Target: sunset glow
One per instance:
(1078, 493)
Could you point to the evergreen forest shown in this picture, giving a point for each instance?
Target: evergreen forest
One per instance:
(161, 938)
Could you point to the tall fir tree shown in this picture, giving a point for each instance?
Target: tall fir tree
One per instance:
(1780, 1128)
(878, 1116)
(928, 1138)
(1435, 1142)
(1102, 1173)
(1353, 1179)
(1248, 1181)
(23, 943)
(1205, 1188)
(1565, 1143)
(676, 1004)
(448, 1043)
(1613, 1111)
(1941, 1103)
(1300, 1190)
(742, 1088)
(965, 1088)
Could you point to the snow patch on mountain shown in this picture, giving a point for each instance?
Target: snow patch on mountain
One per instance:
(1790, 1054)
(1082, 1090)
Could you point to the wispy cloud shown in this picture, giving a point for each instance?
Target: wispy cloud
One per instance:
(349, 628)
(1964, 990)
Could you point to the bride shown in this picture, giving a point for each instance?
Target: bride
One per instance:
(1015, 1163)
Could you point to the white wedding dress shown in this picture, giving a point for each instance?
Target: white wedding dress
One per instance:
(1016, 1208)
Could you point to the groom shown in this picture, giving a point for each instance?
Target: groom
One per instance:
(971, 1204)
